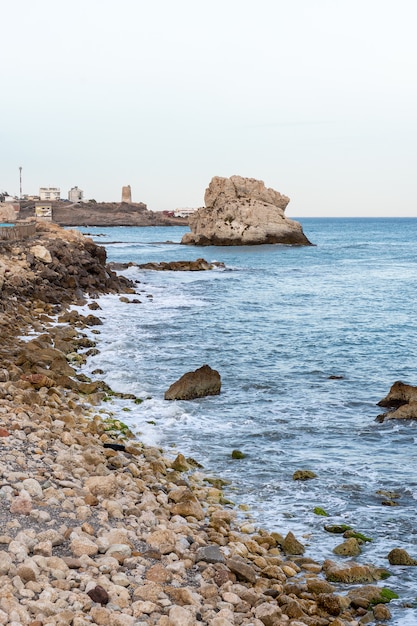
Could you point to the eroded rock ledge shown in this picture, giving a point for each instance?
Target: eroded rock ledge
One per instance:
(242, 211)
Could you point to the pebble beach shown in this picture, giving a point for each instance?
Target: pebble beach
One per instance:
(96, 527)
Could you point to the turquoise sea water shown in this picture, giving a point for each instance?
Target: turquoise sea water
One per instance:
(277, 323)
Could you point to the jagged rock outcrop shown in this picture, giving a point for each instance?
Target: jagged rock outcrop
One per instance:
(202, 382)
(242, 211)
(401, 402)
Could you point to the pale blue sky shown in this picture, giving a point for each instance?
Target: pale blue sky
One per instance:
(318, 98)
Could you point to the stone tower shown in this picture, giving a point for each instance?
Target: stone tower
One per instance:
(127, 194)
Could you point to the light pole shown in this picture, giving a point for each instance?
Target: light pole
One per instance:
(20, 172)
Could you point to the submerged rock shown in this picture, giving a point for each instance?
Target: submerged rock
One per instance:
(304, 475)
(198, 265)
(242, 211)
(202, 382)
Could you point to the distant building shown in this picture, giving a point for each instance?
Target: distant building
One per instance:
(75, 194)
(43, 211)
(185, 212)
(127, 194)
(50, 193)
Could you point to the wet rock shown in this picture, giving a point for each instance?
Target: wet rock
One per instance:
(350, 547)
(304, 475)
(353, 572)
(202, 382)
(181, 266)
(398, 556)
(291, 545)
(401, 401)
(381, 612)
(180, 464)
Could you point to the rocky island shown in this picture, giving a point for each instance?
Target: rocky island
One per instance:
(97, 528)
(242, 211)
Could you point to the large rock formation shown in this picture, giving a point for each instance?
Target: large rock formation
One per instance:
(242, 211)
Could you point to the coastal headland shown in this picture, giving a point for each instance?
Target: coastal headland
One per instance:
(97, 528)
(104, 214)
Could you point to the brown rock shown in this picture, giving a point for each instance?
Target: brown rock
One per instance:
(163, 540)
(202, 382)
(330, 603)
(99, 594)
(179, 464)
(353, 572)
(304, 475)
(398, 556)
(350, 547)
(158, 574)
(242, 211)
(381, 612)
(223, 576)
(186, 504)
(38, 380)
(401, 402)
(180, 595)
(291, 545)
(243, 570)
(26, 573)
(105, 486)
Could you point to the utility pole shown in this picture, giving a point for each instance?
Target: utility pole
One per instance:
(20, 172)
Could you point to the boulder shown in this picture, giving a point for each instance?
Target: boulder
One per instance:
(401, 402)
(353, 573)
(202, 382)
(242, 211)
(399, 556)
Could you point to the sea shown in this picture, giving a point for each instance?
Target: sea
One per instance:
(307, 341)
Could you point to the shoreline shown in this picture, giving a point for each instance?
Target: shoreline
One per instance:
(97, 533)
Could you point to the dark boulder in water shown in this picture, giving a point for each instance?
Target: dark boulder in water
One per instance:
(202, 382)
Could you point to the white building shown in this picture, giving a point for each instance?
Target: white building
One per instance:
(75, 194)
(50, 193)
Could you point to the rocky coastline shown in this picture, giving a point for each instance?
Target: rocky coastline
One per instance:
(97, 528)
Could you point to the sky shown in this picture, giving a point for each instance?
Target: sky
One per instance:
(317, 98)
